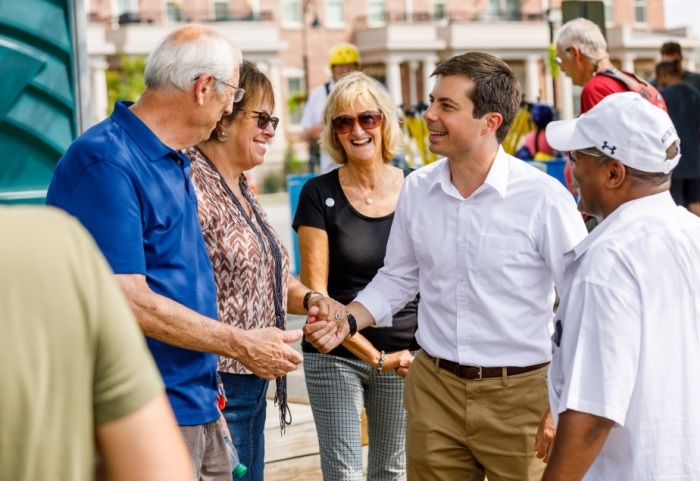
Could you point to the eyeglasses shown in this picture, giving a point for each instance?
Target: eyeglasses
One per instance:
(236, 93)
(264, 119)
(574, 154)
(367, 120)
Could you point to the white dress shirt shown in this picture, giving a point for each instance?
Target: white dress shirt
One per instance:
(629, 348)
(485, 266)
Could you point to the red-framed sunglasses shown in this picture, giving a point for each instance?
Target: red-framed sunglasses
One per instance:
(367, 120)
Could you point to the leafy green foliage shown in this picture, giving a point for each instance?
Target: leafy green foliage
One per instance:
(127, 82)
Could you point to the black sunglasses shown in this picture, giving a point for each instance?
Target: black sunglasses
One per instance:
(264, 119)
(367, 120)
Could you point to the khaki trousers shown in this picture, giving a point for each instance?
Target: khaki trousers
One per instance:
(458, 429)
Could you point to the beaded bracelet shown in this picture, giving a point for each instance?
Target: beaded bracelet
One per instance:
(380, 364)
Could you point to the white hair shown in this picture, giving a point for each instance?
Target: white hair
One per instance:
(584, 34)
(187, 52)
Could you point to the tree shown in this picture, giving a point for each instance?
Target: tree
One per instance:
(125, 83)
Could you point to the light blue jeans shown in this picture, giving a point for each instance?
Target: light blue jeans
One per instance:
(245, 415)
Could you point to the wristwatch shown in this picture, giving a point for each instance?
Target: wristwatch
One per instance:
(352, 322)
(307, 297)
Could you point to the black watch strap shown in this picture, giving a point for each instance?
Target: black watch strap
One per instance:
(307, 297)
(352, 322)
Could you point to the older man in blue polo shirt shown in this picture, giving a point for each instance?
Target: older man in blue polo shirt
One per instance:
(128, 183)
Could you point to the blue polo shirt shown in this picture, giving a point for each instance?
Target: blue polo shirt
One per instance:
(133, 193)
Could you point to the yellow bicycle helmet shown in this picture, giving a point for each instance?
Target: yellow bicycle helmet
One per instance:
(344, 53)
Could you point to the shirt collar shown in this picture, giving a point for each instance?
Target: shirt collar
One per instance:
(497, 177)
(152, 147)
(623, 215)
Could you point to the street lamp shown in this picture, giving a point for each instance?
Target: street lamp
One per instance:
(315, 23)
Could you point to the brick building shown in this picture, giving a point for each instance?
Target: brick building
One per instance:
(401, 41)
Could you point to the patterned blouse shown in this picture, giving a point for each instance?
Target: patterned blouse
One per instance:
(240, 253)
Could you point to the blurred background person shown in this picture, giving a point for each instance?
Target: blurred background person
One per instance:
(683, 102)
(535, 145)
(343, 221)
(672, 52)
(343, 58)
(76, 374)
(251, 265)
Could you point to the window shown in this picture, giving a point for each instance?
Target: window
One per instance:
(609, 13)
(125, 7)
(439, 10)
(335, 12)
(375, 11)
(173, 11)
(221, 10)
(295, 88)
(504, 9)
(640, 11)
(291, 11)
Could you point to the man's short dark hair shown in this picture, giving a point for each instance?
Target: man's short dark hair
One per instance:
(669, 68)
(671, 48)
(496, 88)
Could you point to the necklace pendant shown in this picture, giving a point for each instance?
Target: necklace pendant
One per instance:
(368, 201)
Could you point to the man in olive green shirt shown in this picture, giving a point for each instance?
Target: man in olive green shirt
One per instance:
(75, 374)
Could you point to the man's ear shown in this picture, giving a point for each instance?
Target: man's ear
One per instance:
(575, 53)
(493, 121)
(202, 87)
(616, 174)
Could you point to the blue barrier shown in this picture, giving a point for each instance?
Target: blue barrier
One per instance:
(554, 167)
(294, 184)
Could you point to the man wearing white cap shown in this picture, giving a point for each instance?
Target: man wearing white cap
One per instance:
(624, 382)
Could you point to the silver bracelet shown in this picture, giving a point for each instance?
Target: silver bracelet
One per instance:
(380, 364)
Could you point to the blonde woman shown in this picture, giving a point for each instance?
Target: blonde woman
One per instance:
(343, 221)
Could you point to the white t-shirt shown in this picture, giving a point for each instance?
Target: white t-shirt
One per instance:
(313, 114)
(629, 348)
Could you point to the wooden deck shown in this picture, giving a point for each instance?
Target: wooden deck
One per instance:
(294, 456)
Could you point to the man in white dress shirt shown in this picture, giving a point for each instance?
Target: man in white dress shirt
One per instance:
(624, 380)
(481, 235)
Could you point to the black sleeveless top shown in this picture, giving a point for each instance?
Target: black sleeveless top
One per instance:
(357, 245)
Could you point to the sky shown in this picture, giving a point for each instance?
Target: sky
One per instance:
(681, 13)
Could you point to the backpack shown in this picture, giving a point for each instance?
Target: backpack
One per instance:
(637, 84)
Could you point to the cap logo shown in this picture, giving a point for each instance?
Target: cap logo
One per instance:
(667, 134)
(606, 146)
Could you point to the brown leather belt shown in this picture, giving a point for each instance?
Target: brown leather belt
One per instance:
(477, 372)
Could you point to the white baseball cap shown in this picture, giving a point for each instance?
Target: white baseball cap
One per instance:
(623, 126)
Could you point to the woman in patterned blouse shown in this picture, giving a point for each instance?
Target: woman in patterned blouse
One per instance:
(254, 287)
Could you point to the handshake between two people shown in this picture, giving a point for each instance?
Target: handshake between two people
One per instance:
(329, 326)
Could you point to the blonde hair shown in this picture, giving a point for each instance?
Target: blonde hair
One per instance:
(347, 92)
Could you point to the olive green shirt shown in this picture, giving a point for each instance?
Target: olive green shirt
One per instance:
(71, 353)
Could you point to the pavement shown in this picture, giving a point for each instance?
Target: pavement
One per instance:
(277, 207)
